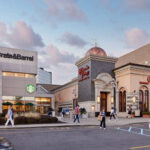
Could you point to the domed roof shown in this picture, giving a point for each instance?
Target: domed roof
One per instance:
(96, 51)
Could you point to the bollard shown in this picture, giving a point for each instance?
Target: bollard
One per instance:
(141, 131)
(130, 128)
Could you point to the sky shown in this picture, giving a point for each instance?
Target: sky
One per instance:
(62, 31)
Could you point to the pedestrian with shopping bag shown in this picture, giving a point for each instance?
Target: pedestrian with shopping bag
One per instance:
(103, 119)
(10, 116)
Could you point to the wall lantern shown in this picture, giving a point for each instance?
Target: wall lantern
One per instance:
(134, 99)
(98, 99)
(112, 100)
(93, 108)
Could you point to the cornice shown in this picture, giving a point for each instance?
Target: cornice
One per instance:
(97, 58)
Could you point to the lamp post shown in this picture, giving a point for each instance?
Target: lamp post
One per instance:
(114, 83)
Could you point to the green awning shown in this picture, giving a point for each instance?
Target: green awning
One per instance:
(7, 103)
(30, 104)
(19, 103)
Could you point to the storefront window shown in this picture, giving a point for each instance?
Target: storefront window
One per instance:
(15, 74)
(144, 99)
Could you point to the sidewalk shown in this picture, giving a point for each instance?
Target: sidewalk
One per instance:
(83, 122)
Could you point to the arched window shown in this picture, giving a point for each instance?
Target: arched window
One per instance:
(122, 100)
(144, 99)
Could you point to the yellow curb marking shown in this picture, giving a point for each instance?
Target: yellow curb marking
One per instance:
(147, 146)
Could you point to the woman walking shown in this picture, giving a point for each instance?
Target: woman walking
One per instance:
(103, 120)
(10, 116)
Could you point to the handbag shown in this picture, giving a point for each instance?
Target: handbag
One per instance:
(99, 118)
(6, 116)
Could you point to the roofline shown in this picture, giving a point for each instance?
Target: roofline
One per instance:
(133, 64)
(62, 86)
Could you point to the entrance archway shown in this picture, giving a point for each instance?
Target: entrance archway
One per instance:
(103, 101)
(122, 100)
(144, 99)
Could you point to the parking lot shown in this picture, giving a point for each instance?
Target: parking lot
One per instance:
(77, 138)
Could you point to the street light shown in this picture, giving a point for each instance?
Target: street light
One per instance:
(114, 83)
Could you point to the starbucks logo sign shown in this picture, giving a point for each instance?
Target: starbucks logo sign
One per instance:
(30, 88)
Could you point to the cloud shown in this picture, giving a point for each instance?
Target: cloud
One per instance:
(54, 11)
(54, 55)
(21, 36)
(73, 40)
(136, 37)
(126, 5)
(61, 63)
(63, 73)
(137, 5)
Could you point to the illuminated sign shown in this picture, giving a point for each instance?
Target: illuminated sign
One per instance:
(148, 81)
(84, 73)
(30, 88)
(16, 56)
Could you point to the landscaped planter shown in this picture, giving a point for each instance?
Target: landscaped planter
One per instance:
(146, 114)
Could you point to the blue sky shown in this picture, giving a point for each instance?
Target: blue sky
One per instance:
(63, 30)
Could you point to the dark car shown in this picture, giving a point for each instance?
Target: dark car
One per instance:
(5, 144)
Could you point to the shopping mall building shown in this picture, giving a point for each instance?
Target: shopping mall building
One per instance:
(18, 70)
(104, 82)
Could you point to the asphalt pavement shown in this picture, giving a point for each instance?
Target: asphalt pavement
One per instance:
(77, 138)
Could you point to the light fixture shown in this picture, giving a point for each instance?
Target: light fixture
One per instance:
(98, 99)
(112, 99)
(134, 99)
(93, 108)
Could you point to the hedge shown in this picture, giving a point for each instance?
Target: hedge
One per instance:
(31, 120)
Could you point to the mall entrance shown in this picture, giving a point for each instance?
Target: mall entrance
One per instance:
(103, 101)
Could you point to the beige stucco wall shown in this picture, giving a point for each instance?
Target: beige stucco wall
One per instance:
(66, 93)
(130, 77)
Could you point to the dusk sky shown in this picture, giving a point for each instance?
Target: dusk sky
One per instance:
(63, 30)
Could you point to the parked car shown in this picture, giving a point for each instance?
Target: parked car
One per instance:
(5, 144)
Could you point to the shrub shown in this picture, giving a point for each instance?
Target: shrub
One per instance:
(2, 120)
(21, 120)
(34, 120)
(146, 113)
(82, 111)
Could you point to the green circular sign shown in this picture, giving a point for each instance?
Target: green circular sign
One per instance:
(30, 88)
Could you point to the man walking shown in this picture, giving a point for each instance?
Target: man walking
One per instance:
(10, 116)
(76, 113)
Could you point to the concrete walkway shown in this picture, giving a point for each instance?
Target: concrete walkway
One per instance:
(83, 122)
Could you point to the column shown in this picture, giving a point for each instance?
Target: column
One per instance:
(1, 91)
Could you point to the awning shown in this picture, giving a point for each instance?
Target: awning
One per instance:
(7, 103)
(19, 103)
(29, 104)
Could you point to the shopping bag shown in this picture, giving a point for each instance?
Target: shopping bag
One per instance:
(6, 116)
(99, 118)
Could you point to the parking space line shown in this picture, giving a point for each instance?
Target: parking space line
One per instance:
(140, 147)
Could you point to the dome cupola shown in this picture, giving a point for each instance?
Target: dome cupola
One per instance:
(96, 51)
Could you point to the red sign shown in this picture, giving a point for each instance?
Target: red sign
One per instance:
(84, 73)
(148, 81)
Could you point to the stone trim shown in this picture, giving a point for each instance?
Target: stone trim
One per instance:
(97, 58)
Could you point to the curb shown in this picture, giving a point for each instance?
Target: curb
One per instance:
(63, 125)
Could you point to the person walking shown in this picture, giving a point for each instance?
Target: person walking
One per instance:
(112, 113)
(103, 121)
(76, 113)
(130, 112)
(10, 116)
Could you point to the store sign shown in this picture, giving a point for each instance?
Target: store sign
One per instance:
(148, 81)
(16, 56)
(30, 88)
(84, 73)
